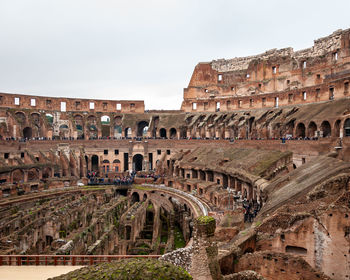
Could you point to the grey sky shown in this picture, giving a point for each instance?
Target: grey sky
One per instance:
(145, 50)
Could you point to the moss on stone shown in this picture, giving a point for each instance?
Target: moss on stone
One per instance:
(205, 219)
(137, 269)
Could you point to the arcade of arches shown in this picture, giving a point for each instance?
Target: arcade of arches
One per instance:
(260, 146)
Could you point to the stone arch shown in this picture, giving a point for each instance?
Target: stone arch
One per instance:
(105, 126)
(20, 117)
(118, 120)
(17, 175)
(290, 127)
(347, 128)
(137, 162)
(36, 121)
(94, 163)
(64, 131)
(311, 129)
(118, 131)
(336, 130)
(27, 132)
(47, 172)
(142, 128)
(35, 116)
(49, 118)
(33, 174)
(326, 129)
(116, 165)
(162, 132)
(300, 130)
(172, 133)
(183, 132)
(105, 166)
(251, 126)
(135, 197)
(128, 132)
(79, 126)
(92, 126)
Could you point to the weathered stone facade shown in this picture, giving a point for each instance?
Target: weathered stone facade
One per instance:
(261, 145)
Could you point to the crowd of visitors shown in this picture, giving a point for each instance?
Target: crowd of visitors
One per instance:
(118, 180)
(283, 139)
(251, 209)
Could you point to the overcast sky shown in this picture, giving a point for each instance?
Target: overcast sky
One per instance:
(145, 49)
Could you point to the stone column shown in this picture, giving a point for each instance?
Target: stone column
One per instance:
(25, 176)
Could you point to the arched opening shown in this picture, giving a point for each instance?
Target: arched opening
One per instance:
(135, 197)
(93, 131)
(79, 124)
(64, 131)
(105, 166)
(33, 174)
(36, 123)
(210, 176)
(347, 128)
(326, 129)
(137, 162)
(17, 175)
(117, 131)
(224, 181)
(202, 175)
(290, 128)
(248, 250)
(128, 132)
(105, 126)
(116, 165)
(47, 172)
(105, 120)
(94, 163)
(183, 132)
(20, 117)
(312, 128)
(162, 133)
(128, 232)
(337, 128)
(27, 132)
(155, 126)
(172, 133)
(296, 250)
(300, 131)
(49, 118)
(142, 128)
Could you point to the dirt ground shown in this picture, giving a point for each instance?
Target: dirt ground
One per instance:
(33, 272)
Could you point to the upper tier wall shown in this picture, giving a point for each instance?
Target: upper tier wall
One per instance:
(64, 104)
(274, 78)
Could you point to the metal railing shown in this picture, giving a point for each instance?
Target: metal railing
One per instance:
(80, 260)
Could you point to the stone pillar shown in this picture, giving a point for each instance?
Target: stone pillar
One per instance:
(25, 176)
(130, 162)
(205, 265)
(89, 163)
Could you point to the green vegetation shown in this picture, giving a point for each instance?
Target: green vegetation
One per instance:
(179, 241)
(136, 269)
(150, 206)
(205, 219)
(142, 188)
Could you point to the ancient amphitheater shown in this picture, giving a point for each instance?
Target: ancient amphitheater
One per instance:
(261, 144)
